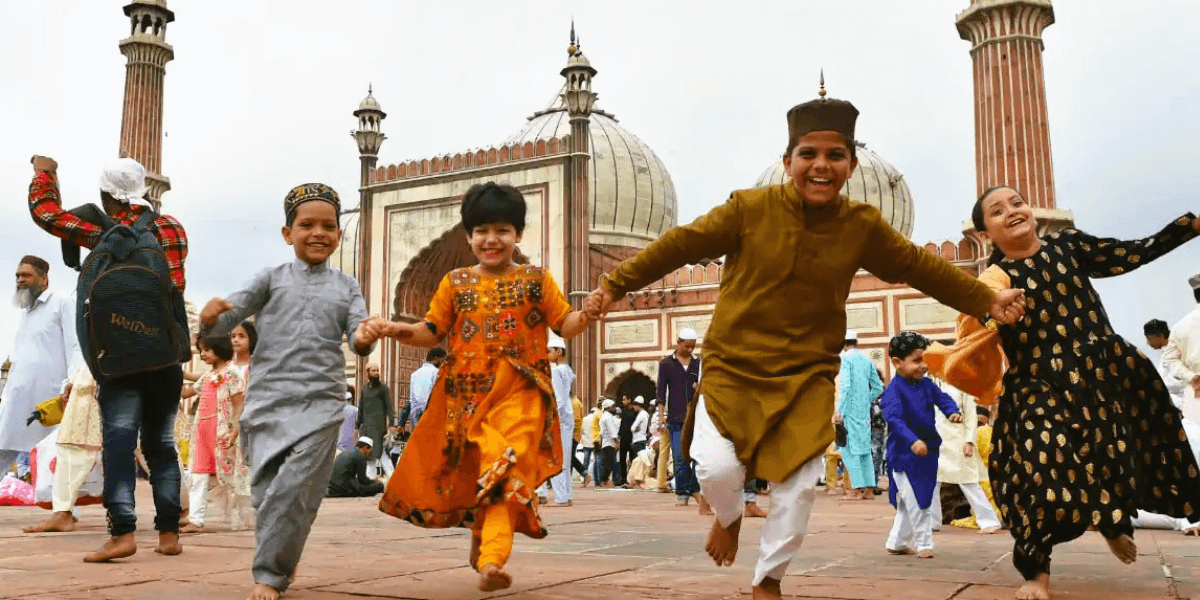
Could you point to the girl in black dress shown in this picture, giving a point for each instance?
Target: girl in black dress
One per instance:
(1085, 433)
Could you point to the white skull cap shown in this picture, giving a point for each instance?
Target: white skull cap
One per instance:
(125, 180)
(687, 333)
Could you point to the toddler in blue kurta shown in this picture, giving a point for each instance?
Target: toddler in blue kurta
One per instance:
(913, 443)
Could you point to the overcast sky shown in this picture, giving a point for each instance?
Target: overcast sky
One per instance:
(260, 96)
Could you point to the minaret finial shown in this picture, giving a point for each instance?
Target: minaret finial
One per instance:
(574, 47)
(822, 92)
(370, 88)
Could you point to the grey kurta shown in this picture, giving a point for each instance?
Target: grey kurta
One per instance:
(375, 413)
(298, 377)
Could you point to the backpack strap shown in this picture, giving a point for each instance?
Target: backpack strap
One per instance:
(143, 221)
(89, 213)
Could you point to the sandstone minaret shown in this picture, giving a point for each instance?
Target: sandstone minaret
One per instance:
(1012, 127)
(147, 53)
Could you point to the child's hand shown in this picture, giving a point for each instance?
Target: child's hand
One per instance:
(968, 449)
(215, 308)
(1009, 306)
(956, 418)
(368, 330)
(1196, 224)
(597, 303)
(919, 448)
(43, 164)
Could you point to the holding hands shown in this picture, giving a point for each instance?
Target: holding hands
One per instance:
(1009, 306)
(597, 304)
(370, 330)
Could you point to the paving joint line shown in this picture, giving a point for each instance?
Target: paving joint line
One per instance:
(959, 591)
(569, 581)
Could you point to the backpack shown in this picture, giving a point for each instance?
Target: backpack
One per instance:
(129, 316)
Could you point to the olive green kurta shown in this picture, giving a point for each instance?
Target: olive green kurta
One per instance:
(771, 351)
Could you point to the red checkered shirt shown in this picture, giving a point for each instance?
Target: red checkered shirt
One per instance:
(46, 208)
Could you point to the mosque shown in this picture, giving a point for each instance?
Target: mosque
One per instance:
(597, 194)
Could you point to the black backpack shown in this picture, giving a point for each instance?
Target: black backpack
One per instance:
(130, 317)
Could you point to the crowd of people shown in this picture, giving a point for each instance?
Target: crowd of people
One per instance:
(1086, 435)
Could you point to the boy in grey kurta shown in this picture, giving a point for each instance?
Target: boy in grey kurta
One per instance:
(293, 411)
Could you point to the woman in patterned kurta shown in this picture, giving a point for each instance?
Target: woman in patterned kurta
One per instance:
(490, 434)
(1085, 433)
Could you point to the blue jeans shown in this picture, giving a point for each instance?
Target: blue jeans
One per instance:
(145, 402)
(685, 477)
(587, 462)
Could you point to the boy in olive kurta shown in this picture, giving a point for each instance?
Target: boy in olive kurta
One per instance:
(771, 352)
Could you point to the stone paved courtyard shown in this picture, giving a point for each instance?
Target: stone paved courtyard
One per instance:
(612, 545)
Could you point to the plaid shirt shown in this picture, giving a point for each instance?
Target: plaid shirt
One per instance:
(46, 208)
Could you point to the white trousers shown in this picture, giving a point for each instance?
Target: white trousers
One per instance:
(722, 479)
(562, 481)
(72, 466)
(198, 499)
(913, 525)
(1149, 520)
(976, 497)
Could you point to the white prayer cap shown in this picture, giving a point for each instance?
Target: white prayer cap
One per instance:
(653, 401)
(687, 333)
(125, 180)
(608, 404)
(556, 342)
(851, 335)
(1194, 281)
(349, 395)
(639, 400)
(366, 440)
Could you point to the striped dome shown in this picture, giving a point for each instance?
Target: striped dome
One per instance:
(875, 182)
(630, 192)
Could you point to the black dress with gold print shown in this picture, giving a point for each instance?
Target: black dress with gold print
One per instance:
(1086, 433)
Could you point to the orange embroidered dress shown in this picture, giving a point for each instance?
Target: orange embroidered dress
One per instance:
(490, 434)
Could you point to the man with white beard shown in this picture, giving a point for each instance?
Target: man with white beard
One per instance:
(45, 355)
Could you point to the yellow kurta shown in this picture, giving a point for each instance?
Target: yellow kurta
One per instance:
(771, 351)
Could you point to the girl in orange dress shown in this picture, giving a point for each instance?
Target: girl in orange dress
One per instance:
(490, 434)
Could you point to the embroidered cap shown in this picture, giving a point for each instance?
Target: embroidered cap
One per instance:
(822, 114)
(905, 343)
(309, 192)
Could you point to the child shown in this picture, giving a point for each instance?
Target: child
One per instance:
(294, 401)
(244, 338)
(216, 449)
(913, 444)
(983, 450)
(959, 465)
(562, 378)
(490, 434)
(771, 353)
(1085, 433)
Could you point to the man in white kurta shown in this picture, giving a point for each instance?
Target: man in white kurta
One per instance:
(1158, 337)
(562, 378)
(1181, 356)
(45, 354)
(958, 463)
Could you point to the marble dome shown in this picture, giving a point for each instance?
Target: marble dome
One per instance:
(875, 182)
(631, 195)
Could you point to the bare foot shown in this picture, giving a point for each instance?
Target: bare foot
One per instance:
(1037, 588)
(722, 544)
(868, 494)
(493, 577)
(989, 531)
(263, 591)
(168, 544)
(754, 511)
(925, 554)
(705, 508)
(476, 542)
(1192, 531)
(900, 551)
(120, 546)
(767, 590)
(1123, 548)
(57, 521)
(192, 528)
(681, 502)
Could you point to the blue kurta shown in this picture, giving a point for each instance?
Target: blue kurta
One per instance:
(860, 385)
(908, 407)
